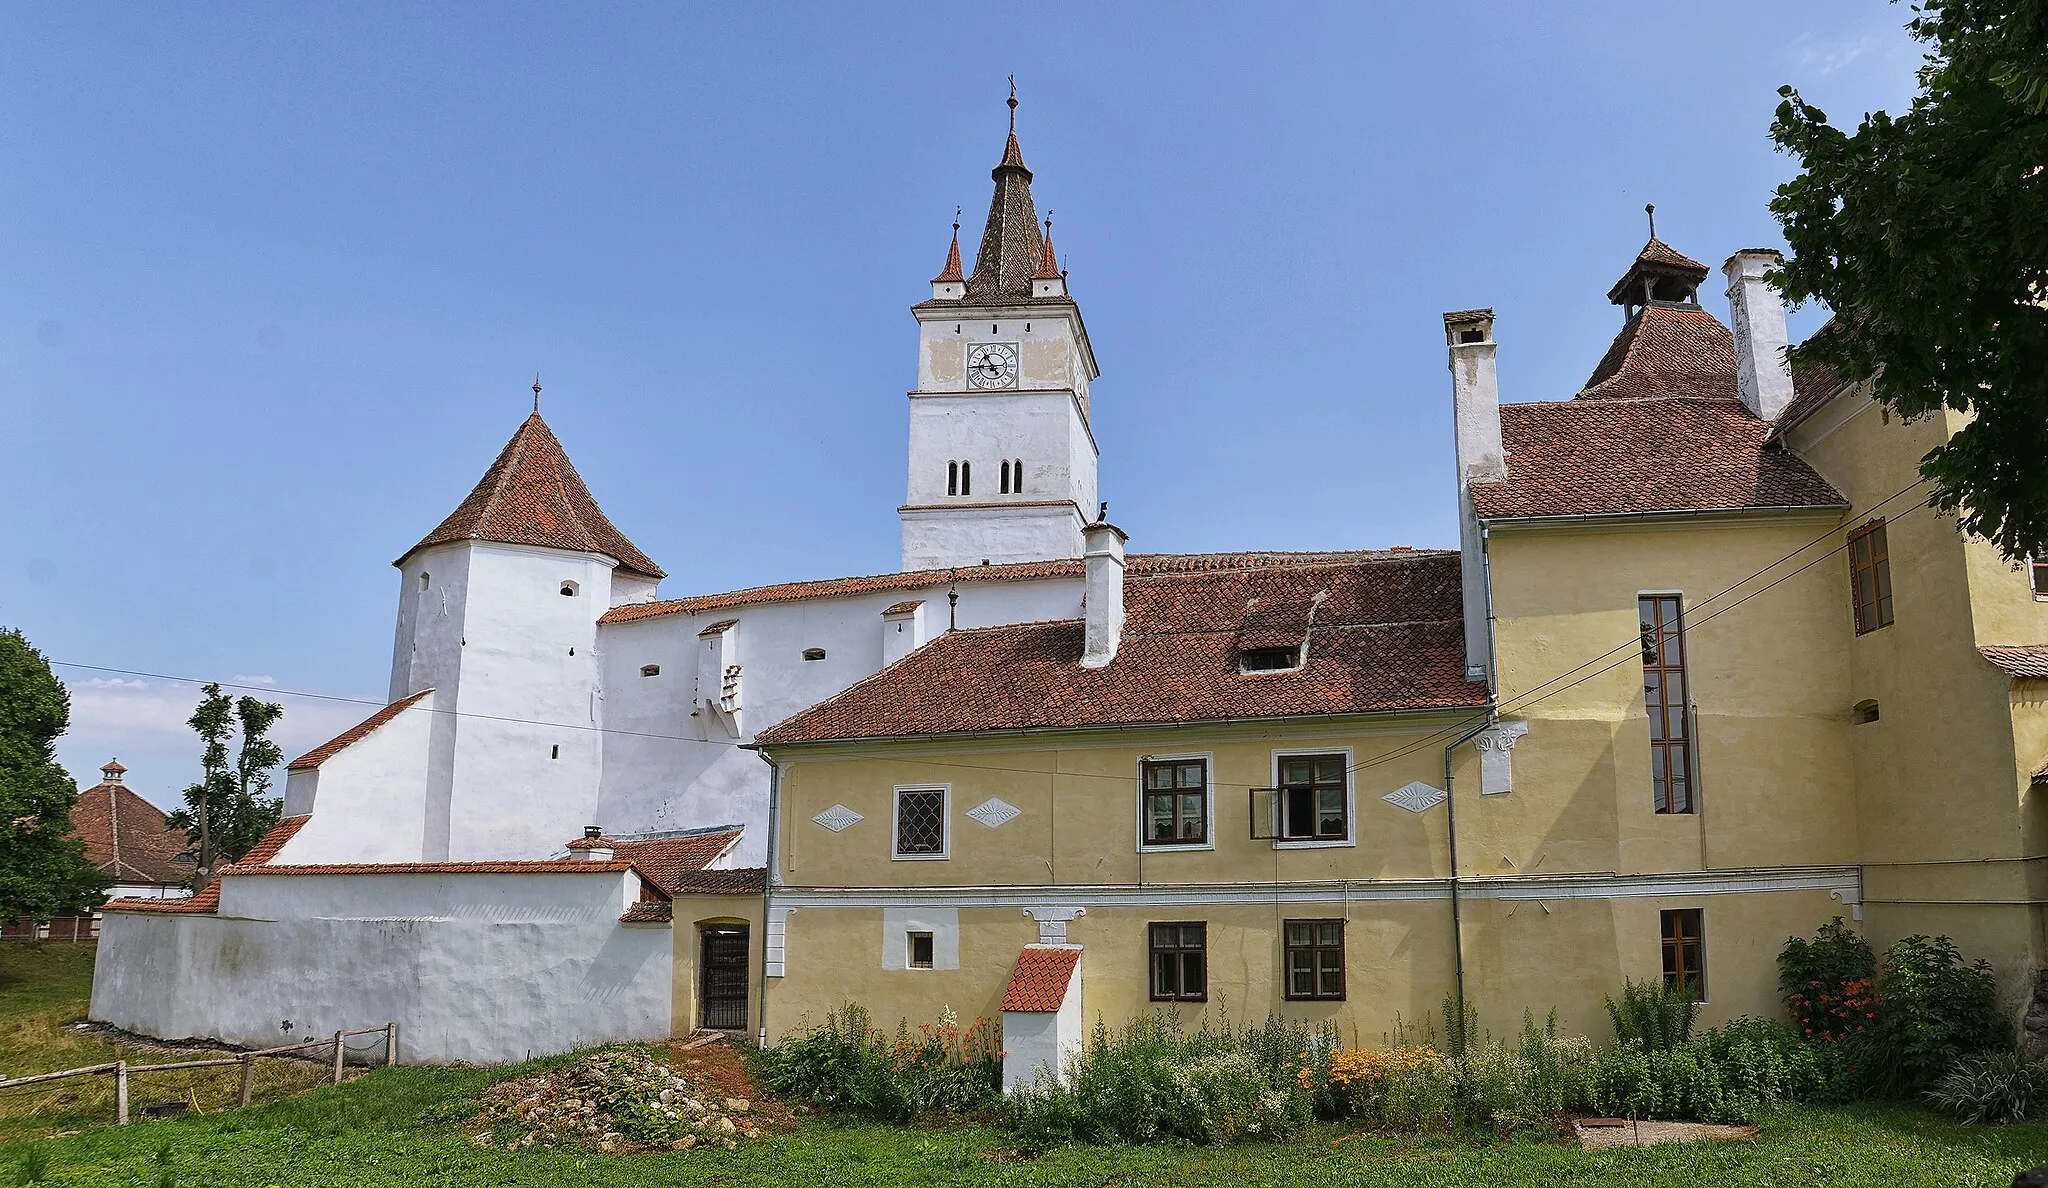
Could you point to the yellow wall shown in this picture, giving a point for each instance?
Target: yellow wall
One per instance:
(692, 912)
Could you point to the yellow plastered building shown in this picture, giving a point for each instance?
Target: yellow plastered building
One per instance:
(1704, 673)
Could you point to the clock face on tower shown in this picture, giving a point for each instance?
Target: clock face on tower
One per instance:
(992, 365)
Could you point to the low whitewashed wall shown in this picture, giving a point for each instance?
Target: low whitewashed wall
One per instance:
(482, 968)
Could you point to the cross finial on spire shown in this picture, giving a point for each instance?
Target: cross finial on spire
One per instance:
(1013, 105)
(536, 393)
(1650, 208)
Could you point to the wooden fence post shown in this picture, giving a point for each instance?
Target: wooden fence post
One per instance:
(121, 1092)
(390, 1044)
(340, 1049)
(248, 1080)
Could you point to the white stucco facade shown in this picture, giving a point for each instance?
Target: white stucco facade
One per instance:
(484, 968)
(1040, 1045)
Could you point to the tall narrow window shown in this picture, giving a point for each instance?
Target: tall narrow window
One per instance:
(1005, 488)
(1870, 577)
(1312, 798)
(1664, 699)
(1685, 952)
(952, 478)
(1016, 476)
(1180, 962)
(921, 823)
(1315, 958)
(1176, 802)
(2037, 570)
(967, 478)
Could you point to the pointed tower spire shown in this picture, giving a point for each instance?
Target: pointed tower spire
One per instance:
(952, 270)
(1011, 246)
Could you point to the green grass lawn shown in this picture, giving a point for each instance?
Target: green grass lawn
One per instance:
(376, 1130)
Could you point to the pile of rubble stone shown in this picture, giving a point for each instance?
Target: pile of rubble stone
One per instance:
(618, 1099)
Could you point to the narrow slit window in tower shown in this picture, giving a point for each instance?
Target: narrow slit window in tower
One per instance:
(952, 478)
(967, 478)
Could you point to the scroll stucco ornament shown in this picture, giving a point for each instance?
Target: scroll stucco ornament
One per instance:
(838, 818)
(1417, 797)
(995, 813)
(1495, 745)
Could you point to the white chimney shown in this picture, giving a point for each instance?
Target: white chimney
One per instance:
(596, 846)
(1763, 374)
(1102, 550)
(1475, 411)
(902, 630)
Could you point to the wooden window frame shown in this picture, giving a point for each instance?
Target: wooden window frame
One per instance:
(1205, 793)
(1682, 938)
(1283, 789)
(1667, 703)
(1870, 553)
(945, 850)
(2037, 577)
(1315, 950)
(931, 950)
(1178, 951)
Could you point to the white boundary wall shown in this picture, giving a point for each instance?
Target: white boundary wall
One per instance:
(483, 968)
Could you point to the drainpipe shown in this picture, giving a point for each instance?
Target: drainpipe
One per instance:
(769, 878)
(1451, 825)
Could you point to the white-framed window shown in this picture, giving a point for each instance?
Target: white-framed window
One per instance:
(919, 829)
(1176, 802)
(1315, 800)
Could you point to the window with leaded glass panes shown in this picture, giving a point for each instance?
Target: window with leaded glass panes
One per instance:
(1312, 798)
(1180, 962)
(921, 823)
(1664, 700)
(1176, 802)
(1315, 958)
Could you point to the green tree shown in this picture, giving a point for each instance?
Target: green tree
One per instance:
(226, 812)
(43, 869)
(1928, 236)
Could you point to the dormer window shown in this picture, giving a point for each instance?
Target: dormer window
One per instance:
(814, 653)
(569, 589)
(1269, 659)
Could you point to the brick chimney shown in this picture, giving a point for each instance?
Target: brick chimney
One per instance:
(1763, 374)
(1102, 550)
(1475, 412)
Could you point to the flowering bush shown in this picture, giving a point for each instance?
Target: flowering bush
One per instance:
(1829, 983)
(849, 1066)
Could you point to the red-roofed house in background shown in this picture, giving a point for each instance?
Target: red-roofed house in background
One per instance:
(126, 839)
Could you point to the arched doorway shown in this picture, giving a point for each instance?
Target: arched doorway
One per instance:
(722, 977)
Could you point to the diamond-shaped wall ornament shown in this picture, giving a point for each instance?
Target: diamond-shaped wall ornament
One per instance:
(995, 813)
(1417, 797)
(838, 818)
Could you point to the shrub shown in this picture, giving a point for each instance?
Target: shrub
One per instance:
(1933, 1009)
(1731, 1073)
(1652, 1015)
(1500, 1088)
(1829, 983)
(1150, 1081)
(850, 1067)
(1994, 1087)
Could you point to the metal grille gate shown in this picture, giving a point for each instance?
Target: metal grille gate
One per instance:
(722, 979)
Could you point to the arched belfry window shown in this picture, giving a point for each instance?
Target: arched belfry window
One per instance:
(1017, 476)
(952, 478)
(967, 478)
(1005, 488)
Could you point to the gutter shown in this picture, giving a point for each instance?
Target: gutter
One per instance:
(1036, 731)
(1709, 513)
(769, 878)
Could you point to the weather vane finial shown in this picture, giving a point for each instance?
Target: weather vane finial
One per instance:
(536, 393)
(1650, 208)
(956, 218)
(1013, 104)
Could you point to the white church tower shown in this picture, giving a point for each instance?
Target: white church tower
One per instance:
(497, 615)
(1002, 459)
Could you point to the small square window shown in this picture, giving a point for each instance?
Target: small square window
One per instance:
(647, 670)
(920, 950)
(1180, 962)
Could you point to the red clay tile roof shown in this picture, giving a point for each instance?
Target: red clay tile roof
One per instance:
(127, 838)
(353, 735)
(2026, 661)
(532, 496)
(904, 607)
(113, 767)
(717, 627)
(1671, 271)
(1622, 457)
(1388, 636)
(591, 843)
(667, 860)
(1667, 351)
(1017, 571)
(747, 881)
(1039, 983)
(952, 270)
(648, 912)
(207, 901)
(1814, 384)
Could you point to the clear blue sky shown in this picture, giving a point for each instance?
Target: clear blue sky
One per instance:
(274, 279)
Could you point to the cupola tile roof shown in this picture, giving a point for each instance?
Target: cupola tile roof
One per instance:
(1667, 350)
(1387, 634)
(1659, 272)
(532, 496)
